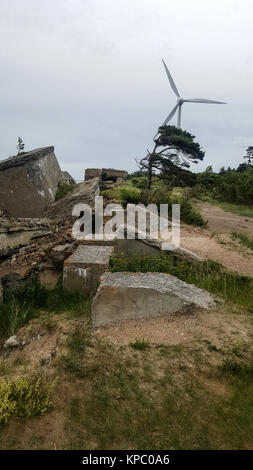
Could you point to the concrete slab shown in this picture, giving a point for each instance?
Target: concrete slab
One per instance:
(125, 296)
(82, 271)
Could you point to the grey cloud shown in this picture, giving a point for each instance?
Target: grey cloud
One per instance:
(86, 76)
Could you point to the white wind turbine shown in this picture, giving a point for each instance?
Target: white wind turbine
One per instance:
(181, 100)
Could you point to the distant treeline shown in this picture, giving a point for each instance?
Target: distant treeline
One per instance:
(229, 185)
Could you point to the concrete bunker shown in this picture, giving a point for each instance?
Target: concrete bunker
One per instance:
(28, 182)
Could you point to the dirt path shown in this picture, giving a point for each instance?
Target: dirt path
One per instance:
(220, 221)
(215, 242)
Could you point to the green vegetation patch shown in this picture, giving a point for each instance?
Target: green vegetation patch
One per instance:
(244, 239)
(165, 404)
(20, 306)
(73, 361)
(24, 398)
(62, 190)
(140, 345)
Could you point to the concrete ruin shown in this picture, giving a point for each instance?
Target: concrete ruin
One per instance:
(16, 233)
(105, 174)
(125, 296)
(83, 269)
(28, 182)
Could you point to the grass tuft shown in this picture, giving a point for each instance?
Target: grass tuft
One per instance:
(244, 239)
(140, 345)
(62, 190)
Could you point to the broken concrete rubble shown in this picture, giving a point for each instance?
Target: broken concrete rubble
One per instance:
(83, 269)
(17, 233)
(11, 342)
(60, 253)
(125, 296)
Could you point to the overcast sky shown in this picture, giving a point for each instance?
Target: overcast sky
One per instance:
(86, 76)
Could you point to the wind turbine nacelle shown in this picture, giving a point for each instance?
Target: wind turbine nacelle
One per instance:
(180, 101)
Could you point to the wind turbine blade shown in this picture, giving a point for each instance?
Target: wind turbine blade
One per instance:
(172, 84)
(170, 115)
(200, 100)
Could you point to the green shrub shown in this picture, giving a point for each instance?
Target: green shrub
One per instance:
(140, 183)
(24, 398)
(62, 190)
(190, 215)
(129, 195)
(232, 186)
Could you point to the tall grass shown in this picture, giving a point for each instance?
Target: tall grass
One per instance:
(208, 275)
(20, 306)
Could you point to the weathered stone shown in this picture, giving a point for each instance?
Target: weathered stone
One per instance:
(120, 181)
(61, 252)
(112, 174)
(12, 281)
(67, 178)
(125, 296)
(83, 269)
(28, 183)
(17, 233)
(107, 184)
(11, 342)
(84, 192)
(92, 173)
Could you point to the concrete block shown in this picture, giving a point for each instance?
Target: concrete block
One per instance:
(125, 296)
(82, 271)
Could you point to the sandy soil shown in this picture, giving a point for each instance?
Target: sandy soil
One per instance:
(219, 327)
(220, 221)
(215, 242)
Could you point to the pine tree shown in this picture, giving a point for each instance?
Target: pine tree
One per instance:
(20, 145)
(172, 145)
(249, 155)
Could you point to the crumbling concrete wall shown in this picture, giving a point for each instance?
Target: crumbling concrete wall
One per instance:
(105, 174)
(92, 173)
(113, 175)
(67, 178)
(28, 183)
